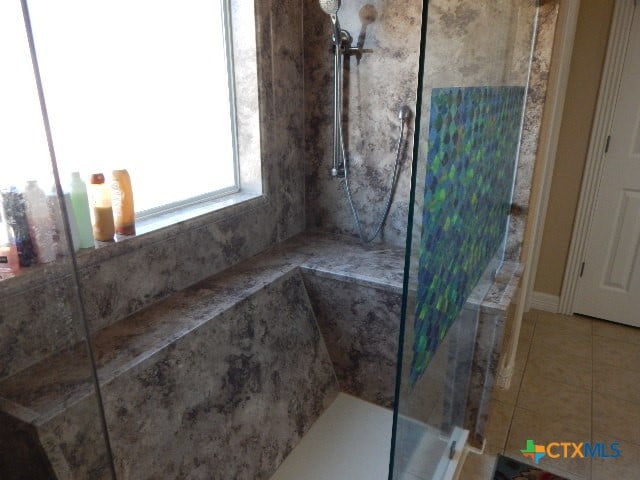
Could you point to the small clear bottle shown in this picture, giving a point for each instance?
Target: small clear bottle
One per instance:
(15, 210)
(41, 224)
(101, 209)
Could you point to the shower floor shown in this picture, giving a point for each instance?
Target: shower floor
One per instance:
(351, 440)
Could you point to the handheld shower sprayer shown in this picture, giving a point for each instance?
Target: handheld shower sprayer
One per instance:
(331, 7)
(342, 41)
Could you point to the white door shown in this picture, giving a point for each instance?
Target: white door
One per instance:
(609, 287)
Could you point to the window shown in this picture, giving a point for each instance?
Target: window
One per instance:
(144, 85)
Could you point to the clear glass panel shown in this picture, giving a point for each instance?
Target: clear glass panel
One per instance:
(140, 85)
(474, 77)
(50, 421)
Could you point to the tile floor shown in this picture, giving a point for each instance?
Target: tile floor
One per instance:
(577, 379)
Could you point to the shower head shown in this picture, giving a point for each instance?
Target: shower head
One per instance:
(330, 7)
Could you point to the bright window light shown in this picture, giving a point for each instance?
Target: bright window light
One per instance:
(23, 144)
(142, 85)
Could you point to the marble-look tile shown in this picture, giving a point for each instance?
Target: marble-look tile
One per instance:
(126, 277)
(228, 402)
(375, 87)
(37, 322)
(21, 454)
(536, 96)
(75, 442)
(360, 326)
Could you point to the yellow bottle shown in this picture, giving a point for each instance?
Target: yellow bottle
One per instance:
(101, 209)
(123, 210)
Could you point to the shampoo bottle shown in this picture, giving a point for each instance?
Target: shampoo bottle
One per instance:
(81, 212)
(123, 210)
(101, 209)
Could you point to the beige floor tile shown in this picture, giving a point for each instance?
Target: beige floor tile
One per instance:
(546, 362)
(571, 342)
(616, 418)
(497, 428)
(616, 353)
(531, 315)
(524, 345)
(478, 467)
(509, 396)
(528, 424)
(554, 323)
(617, 382)
(555, 401)
(526, 329)
(616, 331)
(625, 467)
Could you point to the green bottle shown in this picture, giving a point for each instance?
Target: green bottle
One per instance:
(80, 205)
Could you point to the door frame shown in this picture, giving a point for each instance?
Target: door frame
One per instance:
(600, 131)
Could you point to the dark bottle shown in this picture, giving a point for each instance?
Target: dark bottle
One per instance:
(16, 212)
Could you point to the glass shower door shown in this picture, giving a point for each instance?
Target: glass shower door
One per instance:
(474, 70)
(51, 425)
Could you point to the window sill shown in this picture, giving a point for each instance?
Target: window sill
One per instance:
(149, 231)
(163, 220)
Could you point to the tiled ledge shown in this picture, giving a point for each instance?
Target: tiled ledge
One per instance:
(63, 379)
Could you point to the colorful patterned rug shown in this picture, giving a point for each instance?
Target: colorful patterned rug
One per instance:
(509, 469)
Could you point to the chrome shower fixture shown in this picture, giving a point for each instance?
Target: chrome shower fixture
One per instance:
(331, 7)
(342, 47)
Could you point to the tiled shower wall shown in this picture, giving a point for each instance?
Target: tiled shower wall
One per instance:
(126, 277)
(375, 88)
(385, 78)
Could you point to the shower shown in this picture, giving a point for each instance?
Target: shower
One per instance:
(342, 46)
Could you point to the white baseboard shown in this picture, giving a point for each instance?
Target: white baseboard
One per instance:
(545, 302)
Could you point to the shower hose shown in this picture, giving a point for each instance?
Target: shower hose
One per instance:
(404, 116)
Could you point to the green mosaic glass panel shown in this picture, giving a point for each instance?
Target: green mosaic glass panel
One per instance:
(473, 143)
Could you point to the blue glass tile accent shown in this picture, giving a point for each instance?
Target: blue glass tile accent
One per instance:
(473, 143)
